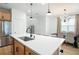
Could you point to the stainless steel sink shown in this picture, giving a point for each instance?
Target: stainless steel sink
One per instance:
(24, 38)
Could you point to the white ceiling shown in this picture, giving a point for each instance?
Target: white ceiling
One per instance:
(41, 9)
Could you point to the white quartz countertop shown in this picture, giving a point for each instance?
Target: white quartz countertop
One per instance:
(43, 45)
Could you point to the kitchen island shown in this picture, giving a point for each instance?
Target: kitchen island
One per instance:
(41, 45)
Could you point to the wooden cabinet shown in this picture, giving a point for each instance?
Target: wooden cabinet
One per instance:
(0, 15)
(5, 15)
(18, 48)
(29, 52)
(7, 50)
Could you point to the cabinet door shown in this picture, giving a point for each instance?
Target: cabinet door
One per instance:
(6, 16)
(29, 51)
(56, 52)
(19, 48)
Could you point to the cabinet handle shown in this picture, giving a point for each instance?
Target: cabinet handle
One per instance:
(17, 49)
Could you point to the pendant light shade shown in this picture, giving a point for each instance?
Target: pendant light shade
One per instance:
(49, 12)
(31, 18)
(65, 17)
(31, 11)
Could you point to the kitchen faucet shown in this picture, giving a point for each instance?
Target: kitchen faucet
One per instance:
(30, 30)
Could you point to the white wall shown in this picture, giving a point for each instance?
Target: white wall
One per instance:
(18, 21)
(39, 23)
(44, 25)
(51, 25)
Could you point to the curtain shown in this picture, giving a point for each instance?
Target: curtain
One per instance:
(77, 24)
(58, 26)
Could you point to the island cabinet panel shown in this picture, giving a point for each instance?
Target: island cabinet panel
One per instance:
(56, 52)
(18, 48)
(28, 51)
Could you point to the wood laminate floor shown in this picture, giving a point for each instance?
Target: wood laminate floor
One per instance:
(70, 50)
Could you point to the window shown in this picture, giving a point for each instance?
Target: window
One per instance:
(69, 25)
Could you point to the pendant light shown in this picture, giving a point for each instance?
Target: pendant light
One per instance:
(49, 12)
(65, 15)
(31, 12)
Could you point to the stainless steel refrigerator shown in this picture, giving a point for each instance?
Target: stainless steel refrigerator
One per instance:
(5, 31)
